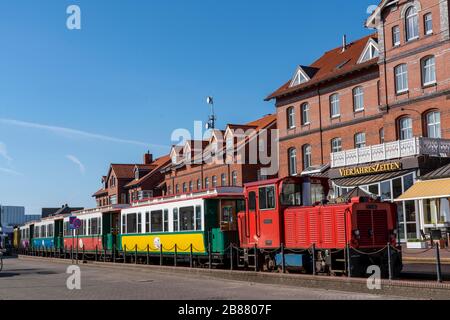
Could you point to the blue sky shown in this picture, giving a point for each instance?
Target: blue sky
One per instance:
(73, 101)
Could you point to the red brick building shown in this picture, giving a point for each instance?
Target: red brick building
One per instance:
(219, 161)
(127, 182)
(374, 113)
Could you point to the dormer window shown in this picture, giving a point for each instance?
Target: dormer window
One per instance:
(370, 52)
(136, 174)
(300, 77)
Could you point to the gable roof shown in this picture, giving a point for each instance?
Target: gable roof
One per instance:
(332, 64)
(157, 165)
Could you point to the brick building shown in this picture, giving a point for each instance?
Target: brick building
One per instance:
(222, 161)
(126, 182)
(374, 113)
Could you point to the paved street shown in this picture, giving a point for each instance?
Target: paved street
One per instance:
(30, 279)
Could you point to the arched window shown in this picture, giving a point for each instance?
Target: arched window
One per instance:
(358, 99)
(206, 183)
(305, 114)
(307, 151)
(199, 184)
(411, 24)
(381, 135)
(428, 70)
(336, 145)
(335, 108)
(405, 128)
(292, 154)
(291, 118)
(234, 178)
(214, 181)
(433, 124)
(360, 140)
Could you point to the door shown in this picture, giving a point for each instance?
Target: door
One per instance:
(59, 237)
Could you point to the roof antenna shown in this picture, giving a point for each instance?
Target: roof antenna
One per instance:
(344, 43)
(211, 124)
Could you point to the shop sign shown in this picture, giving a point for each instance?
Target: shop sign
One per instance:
(376, 168)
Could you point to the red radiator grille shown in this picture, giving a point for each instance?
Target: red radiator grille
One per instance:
(364, 220)
(380, 224)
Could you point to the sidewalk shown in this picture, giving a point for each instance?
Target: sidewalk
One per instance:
(425, 255)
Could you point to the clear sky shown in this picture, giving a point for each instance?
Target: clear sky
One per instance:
(73, 101)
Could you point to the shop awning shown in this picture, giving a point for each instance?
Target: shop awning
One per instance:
(429, 189)
(368, 179)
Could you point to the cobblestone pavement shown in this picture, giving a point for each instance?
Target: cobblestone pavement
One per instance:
(29, 279)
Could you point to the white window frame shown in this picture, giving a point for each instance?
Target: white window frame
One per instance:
(396, 36)
(431, 69)
(291, 118)
(335, 105)
(358, 97)
(292, 154)
(401, 77)
(411, 21)
(435, 123)
(428, 18)
(305, 114)
(336, 145)
(360, 143)
(307, 156)
(407, 129)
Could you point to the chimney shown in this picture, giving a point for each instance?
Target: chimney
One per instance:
(344, 43)
(148, 158)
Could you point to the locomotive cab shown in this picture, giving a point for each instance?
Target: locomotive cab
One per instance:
(261, 224)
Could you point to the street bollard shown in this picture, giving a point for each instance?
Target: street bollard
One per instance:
(191, 258)
(135, 254)
(389, 253)
(283, 260)
(209, 255)
(349, 264)
(314, 259)
(148, 254)
(96, 253)
(114, 253)
(161, 254)
(175, 256)
(125, 254)
(438, 264)
(231, 257)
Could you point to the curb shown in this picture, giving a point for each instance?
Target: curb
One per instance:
(399, 288)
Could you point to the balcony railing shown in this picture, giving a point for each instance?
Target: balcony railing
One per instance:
(392, 150)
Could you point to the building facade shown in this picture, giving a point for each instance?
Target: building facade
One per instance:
(374, 113)
(225, 160)
(11, 216)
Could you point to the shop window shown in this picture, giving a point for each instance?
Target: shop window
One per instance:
(397, 187)
(374, 189)
(408, 182)
(386, 193)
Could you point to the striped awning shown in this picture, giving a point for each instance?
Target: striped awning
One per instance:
(368, 179)
(429, 189)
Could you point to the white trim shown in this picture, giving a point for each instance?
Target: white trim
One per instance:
(303, 73)
(369, 44)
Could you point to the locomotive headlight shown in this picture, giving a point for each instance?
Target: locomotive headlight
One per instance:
(357, 233)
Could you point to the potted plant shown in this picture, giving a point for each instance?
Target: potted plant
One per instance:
(416, 244)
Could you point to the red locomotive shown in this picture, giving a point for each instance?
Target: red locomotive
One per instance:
(292, 213)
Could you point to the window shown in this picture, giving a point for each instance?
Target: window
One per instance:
(223, 179)
(175, 219)
(124, 224)
(370, 52)
(336, 145)
(358, 99)
(252, 201)
(292, 153)
(214, 181)
(206, 183)
(401, 78)
(433, 121)
(166, 220)
(428, 23)
(234, 178)
(405, 128)
(305, 114)
(184, 187)
(199, 184)
(291, 194)
(131, 223)
(381, 133)
(360, 140)
(191, 186)
(139, 223)
(267, 198)
(335, 106)
(428, 71)
(157, 221)
(396, 36)
(198, 218)
(291, 118)
(147, 222)
(187, 219)
(412, 25)
(113, 199)
(299, 78)
(307, 156)
(177, 189)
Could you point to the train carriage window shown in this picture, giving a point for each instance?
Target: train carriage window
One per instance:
(317, 193)
(198, 218)
(175, 220)
(139, 222)
(291, 194)
(131, 223)
(124, 224)
(94, 226)
(157, 221)
(147, 222)
(267, 198)
(252, 201)
(166, 220)
(187, 219)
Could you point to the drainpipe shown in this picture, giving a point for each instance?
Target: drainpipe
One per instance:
(384, 64)
(320, 125)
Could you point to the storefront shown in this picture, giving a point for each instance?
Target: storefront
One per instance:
(388, 180)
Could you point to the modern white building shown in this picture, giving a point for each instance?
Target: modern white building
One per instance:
(11, 216)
